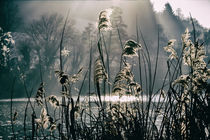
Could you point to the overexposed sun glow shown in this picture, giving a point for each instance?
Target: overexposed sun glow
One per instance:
(112, 98)
(120, 99)
(124, 98)
(115, 2)
(198, 9)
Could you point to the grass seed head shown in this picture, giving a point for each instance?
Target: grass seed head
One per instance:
(53, 100)
(104, 22)
(169, 48)
(130, 48)
(99, 71)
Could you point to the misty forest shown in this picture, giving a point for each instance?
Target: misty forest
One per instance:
(102, 70)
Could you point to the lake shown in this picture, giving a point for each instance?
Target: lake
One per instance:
(19, 105)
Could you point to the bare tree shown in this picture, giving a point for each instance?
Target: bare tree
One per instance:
(45, 36)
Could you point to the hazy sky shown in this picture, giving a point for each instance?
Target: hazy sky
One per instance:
(84, 11)
(199, 9)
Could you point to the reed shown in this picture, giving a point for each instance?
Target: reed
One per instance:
(179, 109)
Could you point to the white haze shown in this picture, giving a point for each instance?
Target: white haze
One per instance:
(199, 9)
(83, 12)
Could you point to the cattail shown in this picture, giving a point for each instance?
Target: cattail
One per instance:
(104, 22)
(130, 48)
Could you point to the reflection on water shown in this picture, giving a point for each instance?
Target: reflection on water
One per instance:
(19, 105)
(5, 121)
(95, 98)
